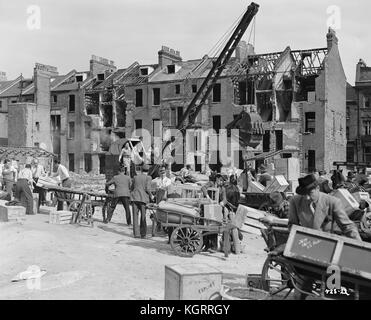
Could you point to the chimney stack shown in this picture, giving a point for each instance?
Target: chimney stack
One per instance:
(101, 65)
(168, 56)
(331, 38)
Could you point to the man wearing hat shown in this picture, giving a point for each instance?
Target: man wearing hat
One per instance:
(264, 176)
(313, 209)
(350, 183)
(141, 196)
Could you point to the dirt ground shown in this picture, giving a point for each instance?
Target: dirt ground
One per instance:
(103, 262)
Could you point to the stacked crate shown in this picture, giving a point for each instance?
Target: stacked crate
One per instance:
(60, 217)
(11, 213)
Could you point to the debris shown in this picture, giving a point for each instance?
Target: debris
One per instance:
(32, 272)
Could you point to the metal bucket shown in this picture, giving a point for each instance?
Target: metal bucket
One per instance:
(243, 294)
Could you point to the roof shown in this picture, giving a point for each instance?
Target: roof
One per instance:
(13, 89)
(350, 93)
(25, 151)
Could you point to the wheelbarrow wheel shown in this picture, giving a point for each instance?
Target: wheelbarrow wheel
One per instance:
(275, 278)
(186, 241)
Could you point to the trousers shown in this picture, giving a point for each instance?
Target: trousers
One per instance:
(125, 202)
(24, 194)
(142, 228)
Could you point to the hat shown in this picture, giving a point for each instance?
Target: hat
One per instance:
(306, 184)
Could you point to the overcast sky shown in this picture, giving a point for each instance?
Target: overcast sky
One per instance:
(134, 30)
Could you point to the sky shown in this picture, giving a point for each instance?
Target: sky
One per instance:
(70, 31)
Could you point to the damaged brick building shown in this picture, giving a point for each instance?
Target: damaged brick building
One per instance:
(359, 115)
(299, 94)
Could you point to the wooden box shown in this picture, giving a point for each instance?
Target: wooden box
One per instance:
(60, 217)
(11, 213)
(349, 203)
(255, 187)
(279, 183)
(191, 282)
(324, 249)
(361, 196)
(213, 211)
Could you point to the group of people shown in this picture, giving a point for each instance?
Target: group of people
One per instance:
(19, 182)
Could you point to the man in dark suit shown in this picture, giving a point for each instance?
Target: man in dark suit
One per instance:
(313, 209)
(122, 183)
(141, 196)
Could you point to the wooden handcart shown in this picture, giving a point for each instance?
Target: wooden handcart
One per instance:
(82, 203)
(308, 254)
(187, 237)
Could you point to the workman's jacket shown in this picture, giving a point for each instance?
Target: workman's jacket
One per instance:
(328, 210)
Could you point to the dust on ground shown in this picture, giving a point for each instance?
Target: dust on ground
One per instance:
(103, 262)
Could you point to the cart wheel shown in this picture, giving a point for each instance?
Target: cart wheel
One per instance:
(186, 241)
(275, 278)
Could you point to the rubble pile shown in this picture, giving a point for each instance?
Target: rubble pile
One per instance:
(88, 182)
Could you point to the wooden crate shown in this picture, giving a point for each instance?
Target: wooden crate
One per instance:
(349, 203)
(279, 184)
(324, 249)
(255, 187)
(191, 282)
(214, 212)
(60, 217)
(11, 213)
(361, 196)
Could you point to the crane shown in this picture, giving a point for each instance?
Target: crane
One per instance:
(189, 116)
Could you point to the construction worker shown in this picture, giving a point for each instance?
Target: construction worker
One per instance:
(37, 172)
(64, 176)
(141, 196)
(125, 157)
(9, 176)
(122, 183)
(23, 189)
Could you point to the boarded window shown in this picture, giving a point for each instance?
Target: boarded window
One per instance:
(216, 123)
(71, 104)
(71, 162)
(138, 124)
(279, 140)
(139, 98)
(217, 92)
(55, 98)
(156, 96)
(71, 130)
(266, 141)
(310, 122)
(173, 117)
(177, 88)
(87, 162)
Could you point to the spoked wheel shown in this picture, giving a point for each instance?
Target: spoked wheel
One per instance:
(186, 241)
(275, 278)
